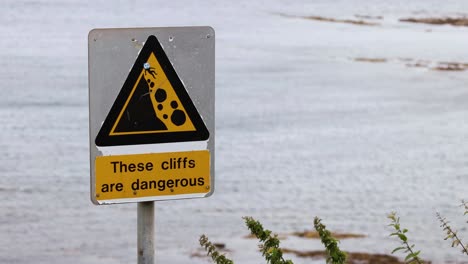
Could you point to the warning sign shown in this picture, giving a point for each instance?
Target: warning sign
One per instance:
(152, 175)
(152, 129)
(153, 105)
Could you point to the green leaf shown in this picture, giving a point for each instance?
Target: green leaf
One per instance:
(403, 237)
(398, 248)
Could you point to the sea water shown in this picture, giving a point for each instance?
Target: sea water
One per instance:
(303, 129)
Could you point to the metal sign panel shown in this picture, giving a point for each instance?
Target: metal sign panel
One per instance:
(151, 106)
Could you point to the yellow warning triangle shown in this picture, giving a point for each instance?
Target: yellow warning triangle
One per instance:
(164, 100)
(153, 105)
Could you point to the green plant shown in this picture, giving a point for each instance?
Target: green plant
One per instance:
(412, 256)
(465, 204)
(334, 254)
(270, 247)
(451, 234)
(217, 257)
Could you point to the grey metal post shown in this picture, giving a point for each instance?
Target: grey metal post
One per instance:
(145, 228)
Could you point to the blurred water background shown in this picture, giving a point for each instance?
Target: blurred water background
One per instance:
(303, 128)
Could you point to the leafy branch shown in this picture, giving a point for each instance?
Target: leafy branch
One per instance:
(334, 254)
(456, 241)
(270, 247)
(412, 256)
(465, 204)
(217, 257)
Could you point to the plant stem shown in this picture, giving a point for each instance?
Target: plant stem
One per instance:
(452, 234)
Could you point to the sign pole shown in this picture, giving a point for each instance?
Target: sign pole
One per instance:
(145, 232)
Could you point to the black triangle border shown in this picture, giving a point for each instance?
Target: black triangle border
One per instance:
(201, 133)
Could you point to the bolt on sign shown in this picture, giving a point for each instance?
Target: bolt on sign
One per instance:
(151, 106)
